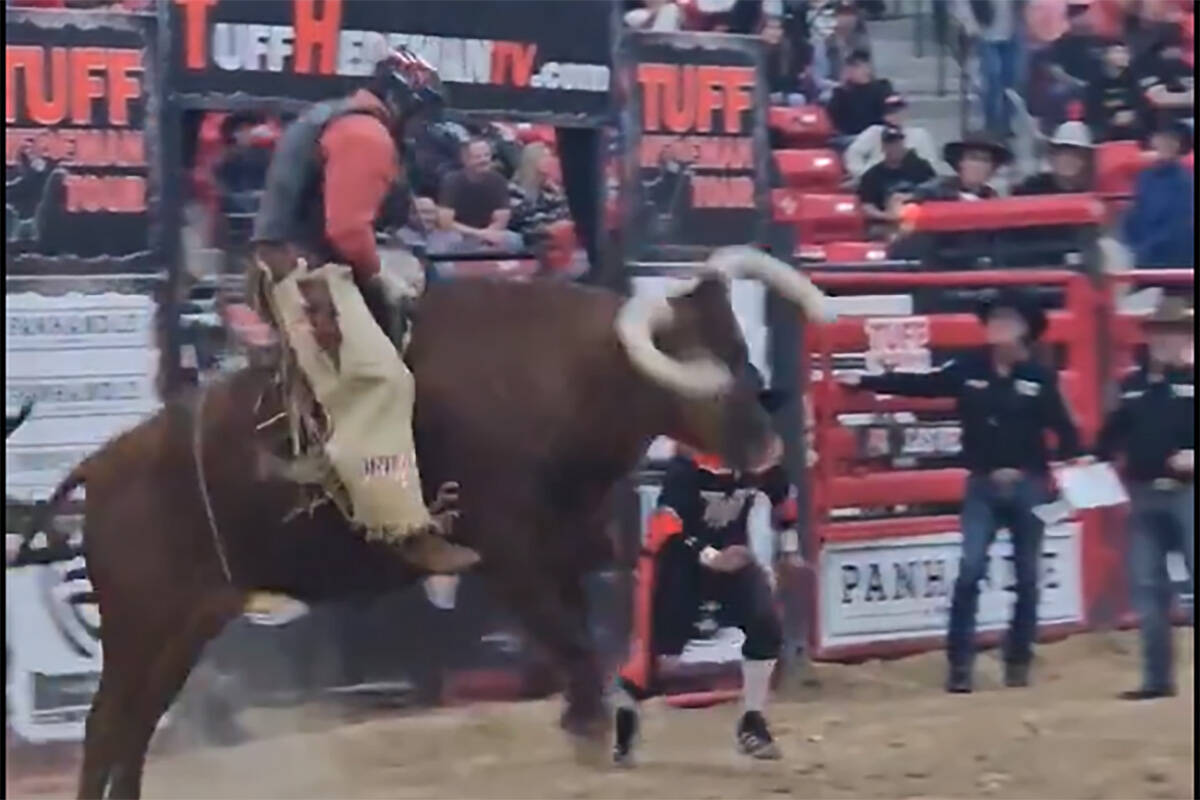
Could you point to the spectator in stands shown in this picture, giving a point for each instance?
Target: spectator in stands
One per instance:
(1160, 225)
(886, 186)
(1154, 428)
(867, 148)
(477, 198)
(975, 160)
(996, 25)
(1071, 152)
(656, 15)
(242, 169)
(789, 83)
(857, 103)
(1168, 81)
(429, 229)
(1116, 108)
(830, 50)
(1074, 63)
(536, 195)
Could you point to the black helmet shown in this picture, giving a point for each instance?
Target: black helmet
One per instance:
(407, 83)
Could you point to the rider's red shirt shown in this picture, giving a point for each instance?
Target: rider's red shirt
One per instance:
(361, 165)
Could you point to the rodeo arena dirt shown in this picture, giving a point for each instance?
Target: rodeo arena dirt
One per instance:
(534, 399)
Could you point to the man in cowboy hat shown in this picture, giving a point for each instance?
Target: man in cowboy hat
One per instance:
(696, 554)
(974, 160)
(1154, 429)
(1160, 225)
(1070, 171)
(1006, 401)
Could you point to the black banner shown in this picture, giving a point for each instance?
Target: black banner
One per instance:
(696, 154)
(81, 143)
(545, 60)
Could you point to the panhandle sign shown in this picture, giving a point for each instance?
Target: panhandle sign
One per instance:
(80, 143)
(900, 587)
(543, 60)
(696, 158)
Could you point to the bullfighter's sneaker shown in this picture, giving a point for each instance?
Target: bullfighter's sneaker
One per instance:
(626, 734)
(754, 738)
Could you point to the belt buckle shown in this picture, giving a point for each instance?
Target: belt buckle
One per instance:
(1165, 484)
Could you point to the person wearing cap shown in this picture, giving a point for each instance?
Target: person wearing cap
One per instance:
(1153, 429)
(1115, 106)
(1070, 171)
(975, 160)
(696, 554)
(1006, 401)
(867, 148)
(1160, 224)
(857, 102)
(887, 186)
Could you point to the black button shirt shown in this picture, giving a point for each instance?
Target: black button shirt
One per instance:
(1154, 419)
(1004, 418)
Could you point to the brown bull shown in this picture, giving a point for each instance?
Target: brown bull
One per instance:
(537, 398)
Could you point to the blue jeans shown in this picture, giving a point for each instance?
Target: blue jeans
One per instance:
(987, 507)
(998, 65)
(1159, 521)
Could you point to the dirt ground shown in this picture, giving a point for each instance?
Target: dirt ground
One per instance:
(881, 729)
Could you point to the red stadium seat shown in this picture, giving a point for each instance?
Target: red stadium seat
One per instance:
(819, 218)
(812, 170)
(806, 126)
(1117, 166)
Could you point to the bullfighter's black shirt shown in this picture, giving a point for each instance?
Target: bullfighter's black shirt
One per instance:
(1155, 418)
(709, 504)
(1004, 418)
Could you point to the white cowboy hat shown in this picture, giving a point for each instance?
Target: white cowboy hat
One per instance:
(1072, 134)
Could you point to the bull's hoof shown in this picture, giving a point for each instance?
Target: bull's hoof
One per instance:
(589, 740)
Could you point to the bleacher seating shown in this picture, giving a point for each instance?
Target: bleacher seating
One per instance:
(805, 126)
(819, 218)
(814, 170)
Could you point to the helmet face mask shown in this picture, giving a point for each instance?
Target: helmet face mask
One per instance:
(408, 85)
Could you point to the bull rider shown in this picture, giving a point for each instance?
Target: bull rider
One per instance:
(331, 178)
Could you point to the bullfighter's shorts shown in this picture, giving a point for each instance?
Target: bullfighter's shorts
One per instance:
(669, 598)
(365, 390)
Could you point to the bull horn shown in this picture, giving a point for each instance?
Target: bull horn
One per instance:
(741, 261)
(636, 322)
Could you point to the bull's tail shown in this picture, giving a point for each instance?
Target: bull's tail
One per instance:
(58, 548)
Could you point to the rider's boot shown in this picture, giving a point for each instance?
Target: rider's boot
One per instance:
(625, 725)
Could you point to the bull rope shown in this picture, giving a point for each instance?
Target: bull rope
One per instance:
(198, 456)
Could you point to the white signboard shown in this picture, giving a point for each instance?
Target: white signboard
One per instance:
(53, 649)
(897, 343)
(89, 363)
(900, 587)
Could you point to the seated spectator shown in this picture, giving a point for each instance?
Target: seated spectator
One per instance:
(975, 160)
(789, 83)
(1168, 81)
(1160, 225)
(657, 15)
(477, 198)
(857, 102)
(536, 195)
(429, 229)
(1115, 106)
(832, 44)
(887, 185)
(241, 173)
(1070, 172)
(867, 148)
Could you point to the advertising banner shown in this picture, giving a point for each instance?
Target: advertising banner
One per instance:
(696, 170)
(541, 60)
(900, 587)
(81, 143)
(89, 363)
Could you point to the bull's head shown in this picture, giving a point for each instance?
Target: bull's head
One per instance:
(691, 346)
